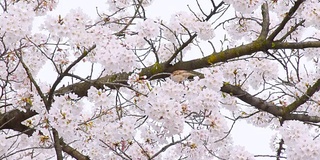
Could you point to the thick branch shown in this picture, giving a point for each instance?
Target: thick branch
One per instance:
(81, 88)
(253, 101)
(266, 106)
(260, 45)
(57, 145)
(265, 21)
(295, 45)
(302, 117)
(73, 152)
(12, 120)
(304, 98)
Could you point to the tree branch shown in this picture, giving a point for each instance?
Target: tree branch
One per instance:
(285, 20)
(65, 73)
(73, 152)
(260, 45)
(57, 145)
(265, 21)
(12, 120)
(304, 98)
(121, 78)
(277, 111)
(164, 148)
(33, 81)
(253, 101)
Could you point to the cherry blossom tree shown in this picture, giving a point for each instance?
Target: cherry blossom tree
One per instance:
(152, 88)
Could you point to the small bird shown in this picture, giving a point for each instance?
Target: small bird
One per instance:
(180, 75)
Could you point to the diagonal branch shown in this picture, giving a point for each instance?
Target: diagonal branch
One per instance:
(65, 73)
(72, 152)
(16, 117)
(30, 76)
(285, 19)
(252, 100)
(271, 108)
(304, 98)
(164, 148)
(81, 88)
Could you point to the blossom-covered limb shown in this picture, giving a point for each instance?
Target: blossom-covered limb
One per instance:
(81, 88)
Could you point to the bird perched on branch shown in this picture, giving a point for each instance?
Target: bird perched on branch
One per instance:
(182, 75)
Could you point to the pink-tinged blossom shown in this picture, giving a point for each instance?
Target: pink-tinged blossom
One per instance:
(280, 7)
(182, 20)
(148, 29)
(115, 5)
(242, 29)
(16, 23)
(64, 115)
(261, 119)
(299, 141)
(311, 10)
(240, 153)
(245, 6)
(146, 115)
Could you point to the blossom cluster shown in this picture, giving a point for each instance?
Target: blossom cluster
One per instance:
(184, 22)
(139, 117)
(253, 73)
(110, 51)
(299, 141)
(310, 9)
(115, 5)
(16, 23)
(246, 6)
